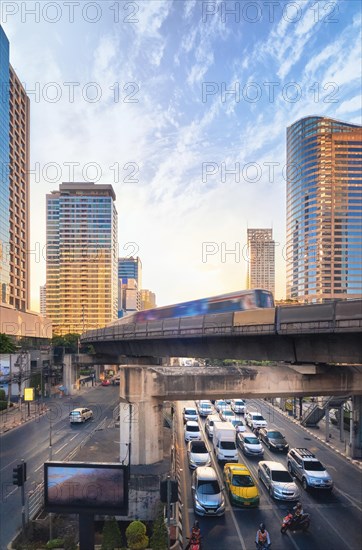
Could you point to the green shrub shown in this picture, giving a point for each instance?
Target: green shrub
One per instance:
(111, 535)
(136, 536)
(54, 543)
(159, 536)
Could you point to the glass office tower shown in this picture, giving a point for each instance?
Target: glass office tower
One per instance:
(4, 169)
(82, 254)
(324, 210)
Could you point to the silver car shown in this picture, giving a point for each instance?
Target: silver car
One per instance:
(206, 492)
(278, 480)
(238, 406)
(198, 454)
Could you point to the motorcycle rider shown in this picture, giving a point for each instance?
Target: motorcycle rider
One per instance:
(298, 513)
(262, 538)
(195, 536)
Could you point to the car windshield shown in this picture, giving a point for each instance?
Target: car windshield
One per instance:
(198, 447)
(275, 435)
(237, 423)
(251, 440)
(76, 413)
(208, 487)
(314, 466)
(257, 417)
(243, 481)
(191, 411)
(221, 403)
(227, 445)
(282, 476)
(239, 402)
(192, 429)
(228, 413)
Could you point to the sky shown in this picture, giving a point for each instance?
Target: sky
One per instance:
(181, 105)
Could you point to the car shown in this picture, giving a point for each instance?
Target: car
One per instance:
(226, 414)
(190, 413)
(209, 424)
(238, 424)
(238, 406)
(278, 480)
(192, 430)
(309, 470)
(197, 454)
(241, 485)
(255, 420)
(80, 414)
(205, 408)
(220, 405)
(274, 440)
(249, 444)
(208, 498)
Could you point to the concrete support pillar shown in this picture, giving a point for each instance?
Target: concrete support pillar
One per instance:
(327, 424)
(341, 422)
(141, 419)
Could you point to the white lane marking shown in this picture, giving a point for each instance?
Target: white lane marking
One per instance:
(11, 493)
(334, 529)
(354, 501)
(74, 436)
(62, 447)
(37, 469)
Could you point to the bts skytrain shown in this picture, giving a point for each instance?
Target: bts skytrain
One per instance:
(242, 300)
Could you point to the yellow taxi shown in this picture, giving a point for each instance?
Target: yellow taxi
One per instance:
(241, 485)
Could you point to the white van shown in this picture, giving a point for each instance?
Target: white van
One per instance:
(209, 424)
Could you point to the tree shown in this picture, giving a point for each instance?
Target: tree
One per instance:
(111, 535)
(6, 344)
(159, 535)
(136, 536)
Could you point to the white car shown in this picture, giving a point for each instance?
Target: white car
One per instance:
(190, 413)
(278, 480)
(226, 414)
(80, 415)
(255, 420)
(192, 431)
(198, 454)
(221, 405)
(205, 408)
(238, 406)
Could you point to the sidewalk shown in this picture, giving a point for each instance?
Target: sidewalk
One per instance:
(334, 442)
(13, 417)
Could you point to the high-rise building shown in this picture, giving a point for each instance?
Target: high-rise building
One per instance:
(14, 192)
(43, 300)
(148, 299)
(4, 166)
(324, 210)
(130, 268)
(81, 285)
(129, 297)
(261, 259)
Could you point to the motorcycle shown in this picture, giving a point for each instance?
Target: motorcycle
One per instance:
(194, 543)
(294, 523)
(263, 546)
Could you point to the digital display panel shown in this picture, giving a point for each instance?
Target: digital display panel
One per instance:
(92, 487)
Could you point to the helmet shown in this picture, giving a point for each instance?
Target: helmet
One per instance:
(262, 527)
(196, 524)
(299, 505)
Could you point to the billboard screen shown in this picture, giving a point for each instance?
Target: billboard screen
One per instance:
(92, 487)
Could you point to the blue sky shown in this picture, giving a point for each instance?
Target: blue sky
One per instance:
(153, 113)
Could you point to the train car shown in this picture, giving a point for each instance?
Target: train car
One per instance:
(243, 300)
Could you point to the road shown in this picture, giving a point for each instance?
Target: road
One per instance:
(336, 519)
(31, 442)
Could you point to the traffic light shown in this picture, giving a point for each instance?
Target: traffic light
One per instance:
(19, 474)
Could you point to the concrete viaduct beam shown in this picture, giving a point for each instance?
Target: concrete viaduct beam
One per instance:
(145, 388)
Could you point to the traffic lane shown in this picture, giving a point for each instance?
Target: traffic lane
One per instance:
(327, 510)
(346, 476)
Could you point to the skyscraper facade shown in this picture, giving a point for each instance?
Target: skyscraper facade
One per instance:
(14, 191)
(324, 210)
(130, 268)
(43, 300)
(81, 285)
(261, 259)
(4, 167)
(148, 299)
